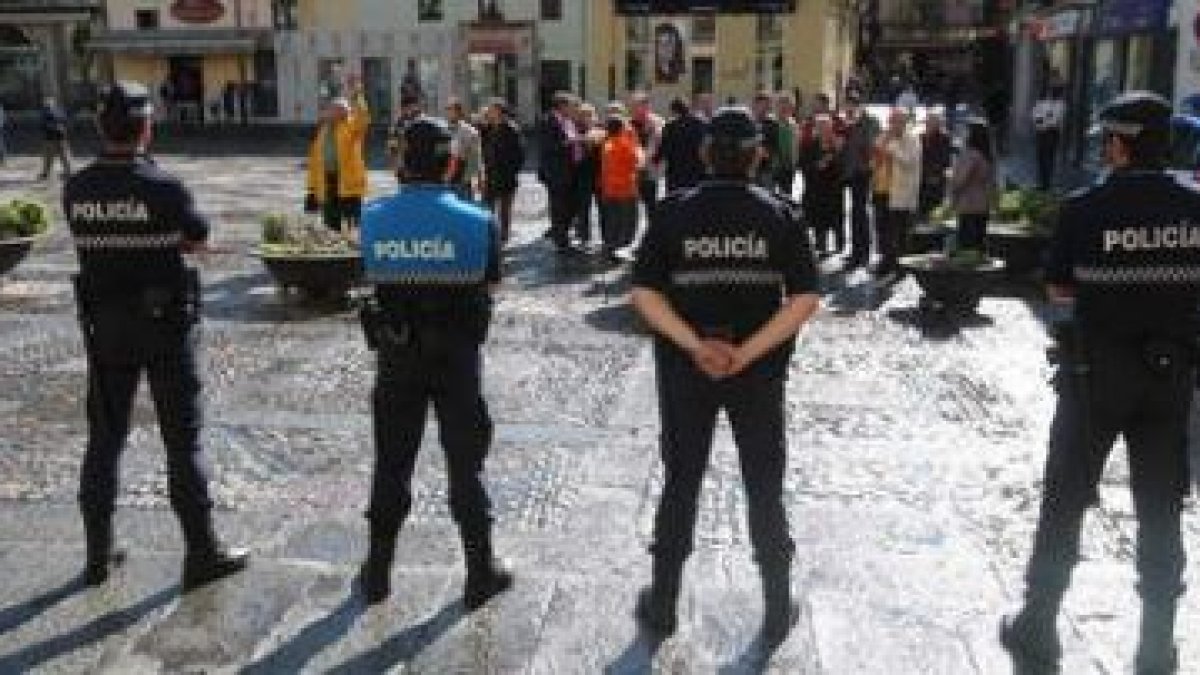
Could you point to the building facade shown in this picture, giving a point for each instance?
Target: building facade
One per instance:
(42, 54)
(518, 50)
(806, 47)
(206, 60)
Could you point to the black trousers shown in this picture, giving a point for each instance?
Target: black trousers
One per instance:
(860, 223)
(338, 211)
(175, 387)
(1149, 407)
(972, 231)
(446, 373)
(688, 405)
(648, 193)
(564, 207)
(1047, 156)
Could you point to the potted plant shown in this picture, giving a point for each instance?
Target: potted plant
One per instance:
(951, 282)
(931, 235)
(22, 221)
(301, 253)
(1021, 227)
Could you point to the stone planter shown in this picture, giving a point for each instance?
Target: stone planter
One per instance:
(927, 238)
(13, 251)
(950, 286)
(315, 274)
(1021, 248)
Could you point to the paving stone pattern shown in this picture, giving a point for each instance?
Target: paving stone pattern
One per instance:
(912, 484)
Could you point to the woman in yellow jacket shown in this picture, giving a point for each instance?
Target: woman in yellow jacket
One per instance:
(337, 170)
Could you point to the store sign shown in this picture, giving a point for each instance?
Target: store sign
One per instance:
(498, 41)
(197, 11)
(1118, 17)
(1056, 26)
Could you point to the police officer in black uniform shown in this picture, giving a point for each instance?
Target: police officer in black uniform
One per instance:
(725, 277)
(139, 306)
(427, 321)
(1125, 262)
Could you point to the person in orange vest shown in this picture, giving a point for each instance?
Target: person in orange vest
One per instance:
(337, 170)
(621, 156)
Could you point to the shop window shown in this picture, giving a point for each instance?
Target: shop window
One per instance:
(635, 70)
(430, 10)
(283, 14)
(146, 19)
(770, 28)
(704, 29)
(703, 75)
(552, 10)
(637, 30)
(555, 77)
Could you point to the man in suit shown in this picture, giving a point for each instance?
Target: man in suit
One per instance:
(560, 153)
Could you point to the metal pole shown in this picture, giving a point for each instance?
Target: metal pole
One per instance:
(243, 94)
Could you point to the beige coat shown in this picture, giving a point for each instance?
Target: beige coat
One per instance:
(905, 154)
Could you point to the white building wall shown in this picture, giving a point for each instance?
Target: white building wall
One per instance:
(299, 54)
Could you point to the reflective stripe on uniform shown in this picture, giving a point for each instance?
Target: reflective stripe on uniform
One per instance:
(1156, 274)
(129, 241)
(728, 277)
(424, 278)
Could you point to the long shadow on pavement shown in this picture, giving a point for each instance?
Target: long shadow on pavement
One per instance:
(294, 655)
(94, 631)
(637, 658)
(16, 615)
(405, 645)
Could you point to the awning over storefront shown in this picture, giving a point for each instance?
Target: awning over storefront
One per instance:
(180, 42)
(1118, 17)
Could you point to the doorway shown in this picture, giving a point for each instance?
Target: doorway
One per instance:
(185, 75)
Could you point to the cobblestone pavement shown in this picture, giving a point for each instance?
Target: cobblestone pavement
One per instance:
(912, 485)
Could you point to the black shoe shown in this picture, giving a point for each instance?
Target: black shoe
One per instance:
(1035, 648)
(201, 569)
(778, 622)
(375, 582)
(95, 572)
(655, 612)
(485, 582)
(1164, 662)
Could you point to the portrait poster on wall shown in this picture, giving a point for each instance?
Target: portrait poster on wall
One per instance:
(669, 40)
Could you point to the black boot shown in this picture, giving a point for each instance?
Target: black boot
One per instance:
(656, 604)
(781, 611)
(1031, 636)
(207, 559)
(1156, 653)
(487, 577)
(101, 556)
(374, 578)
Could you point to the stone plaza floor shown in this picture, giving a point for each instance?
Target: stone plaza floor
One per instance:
(912, 484)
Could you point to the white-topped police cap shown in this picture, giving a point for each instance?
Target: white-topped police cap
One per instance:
(734, 125)
(1134, 113)
(127, 100)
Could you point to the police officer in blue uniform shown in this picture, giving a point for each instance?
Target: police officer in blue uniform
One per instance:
(1125, 263)
(725, 277)
(434, 261)
(139, 306)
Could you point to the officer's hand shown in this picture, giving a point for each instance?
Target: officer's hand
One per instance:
(713, 358)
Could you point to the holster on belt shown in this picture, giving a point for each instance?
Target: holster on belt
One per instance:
(383, 331)
(176, 302)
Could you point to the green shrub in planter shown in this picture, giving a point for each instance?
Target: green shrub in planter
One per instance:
(274, 228)
(22, 218)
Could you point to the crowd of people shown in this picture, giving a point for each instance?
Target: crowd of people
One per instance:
(605, 170)
(894, 172)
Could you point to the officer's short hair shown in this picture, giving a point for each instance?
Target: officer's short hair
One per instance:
(1142, 120)
(125, 107)
(733, 141)
(427, 148)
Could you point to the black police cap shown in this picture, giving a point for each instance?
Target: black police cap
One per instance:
(1136, 113)
(126, 101)
(734, 126)
(426, 138)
